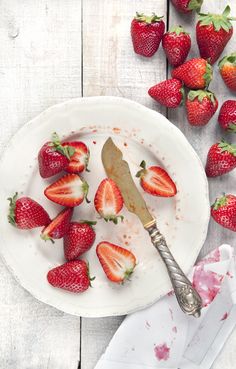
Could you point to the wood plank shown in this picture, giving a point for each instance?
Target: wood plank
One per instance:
(40, 65)
(202, 138)
(110, 67)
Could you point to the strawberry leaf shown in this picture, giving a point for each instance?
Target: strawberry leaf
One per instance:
(232, 128)
(178, 30)
(219, 21)
(148, 19)
(225, 146)
(208, 74)
(219, 202)
(12, 207)
(195, 5)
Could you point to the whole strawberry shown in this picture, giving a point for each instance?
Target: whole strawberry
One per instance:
(227, 67)
(72, 276)
(213, 32)
(176, 44)
(53, 157)
(25, 213)
(227, 116)
(169, 93)
(146, 33)
(78, 239)
(187, 6)
(194, 73)
(223, 211)
(221, 159)
(58, 226)
(201, 105)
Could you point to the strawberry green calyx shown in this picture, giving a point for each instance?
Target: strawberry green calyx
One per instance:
(88, 274)
(148, 19)
(195, 5)
(46, 237)
(91, 223)
(127, 274)
(228, 59)
(143, 171)
(12, 207)
(201, 94)
(220, 201)
(208, 74)
(178, 30)
(113, 218)
(183, 95)
(217, 20)
(232, 128)
(225, 146)
(85, 189)
(67, 151)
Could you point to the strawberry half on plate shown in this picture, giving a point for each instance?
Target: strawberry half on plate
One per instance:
(58, 226)
(68, 191)
(79, 160)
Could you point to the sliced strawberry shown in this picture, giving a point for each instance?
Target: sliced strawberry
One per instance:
(117, 262)
(72, 276)
(156, 181)
(68, 191)
(58, 226)
(79, 160)
(108, 200)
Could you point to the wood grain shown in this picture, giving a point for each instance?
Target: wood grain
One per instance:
(40, 65)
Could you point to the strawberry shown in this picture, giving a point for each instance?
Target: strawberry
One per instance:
(221, 159)
(201, 105)
(213, 32)
(227, 67)
(58, 226)
(194, 73)
(227, 116)
(186, 6)
(25, 213)
(146, 33)
(117, 262)
(79, 160)
(72, 276)
(79, 239)
(156, 181)
(53, 157)
(176, 44)
(223, 211)
(108, 201)
(70, 190)
(169, 93)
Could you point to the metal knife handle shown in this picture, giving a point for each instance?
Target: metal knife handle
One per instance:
(188, 298)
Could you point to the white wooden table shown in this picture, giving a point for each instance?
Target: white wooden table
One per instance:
(51, 51)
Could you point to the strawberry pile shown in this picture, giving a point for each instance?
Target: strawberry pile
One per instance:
(190, 81)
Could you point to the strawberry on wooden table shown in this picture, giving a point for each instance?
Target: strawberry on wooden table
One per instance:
(227, 67)
(169, 93)
(79, 160)
(176, 44)
(221, 159)
(118, 263)
(70, 190)
(78, 239)
(25, 213)
(72, 276)
(53, 157)
(187, 6)
(223, 211)
(227, 116)
(213, 32)
(195, 73)
(108, 201)
(156, 181)
(146, 33)
(58, 226)
(201, 105)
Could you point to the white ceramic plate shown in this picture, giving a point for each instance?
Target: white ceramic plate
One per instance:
(141, 134)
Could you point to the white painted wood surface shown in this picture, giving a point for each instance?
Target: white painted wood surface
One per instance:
(43, 62)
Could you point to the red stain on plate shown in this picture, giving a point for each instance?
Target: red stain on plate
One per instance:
(162, 352)
(171, 293)
(229, 275)
(174, 329)
(116, 130)
(225, 316)
(94, 142)
(171, 313)
(207, 284)
(213, 257)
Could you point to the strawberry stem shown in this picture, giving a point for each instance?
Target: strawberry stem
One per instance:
(141, 172)
(219, 202)
(12, 207)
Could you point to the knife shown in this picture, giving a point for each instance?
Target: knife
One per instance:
(118, 169)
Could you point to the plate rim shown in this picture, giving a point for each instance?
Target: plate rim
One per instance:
(135, 105)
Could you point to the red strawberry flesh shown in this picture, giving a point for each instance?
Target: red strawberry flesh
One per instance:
(79, 160)
(58, 226)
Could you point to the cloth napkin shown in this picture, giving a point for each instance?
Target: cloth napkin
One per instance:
(162, 336)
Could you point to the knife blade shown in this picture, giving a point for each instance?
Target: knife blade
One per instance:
(118, 170)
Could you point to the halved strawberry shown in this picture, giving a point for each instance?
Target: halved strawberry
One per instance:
(58, 226)
(156, 181)
(117, 262)
(68, 191)
(108, 200)
(79, 160)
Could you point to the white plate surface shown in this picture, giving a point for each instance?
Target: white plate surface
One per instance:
(141, 134)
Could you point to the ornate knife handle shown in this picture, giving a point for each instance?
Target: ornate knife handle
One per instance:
(188, 298)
